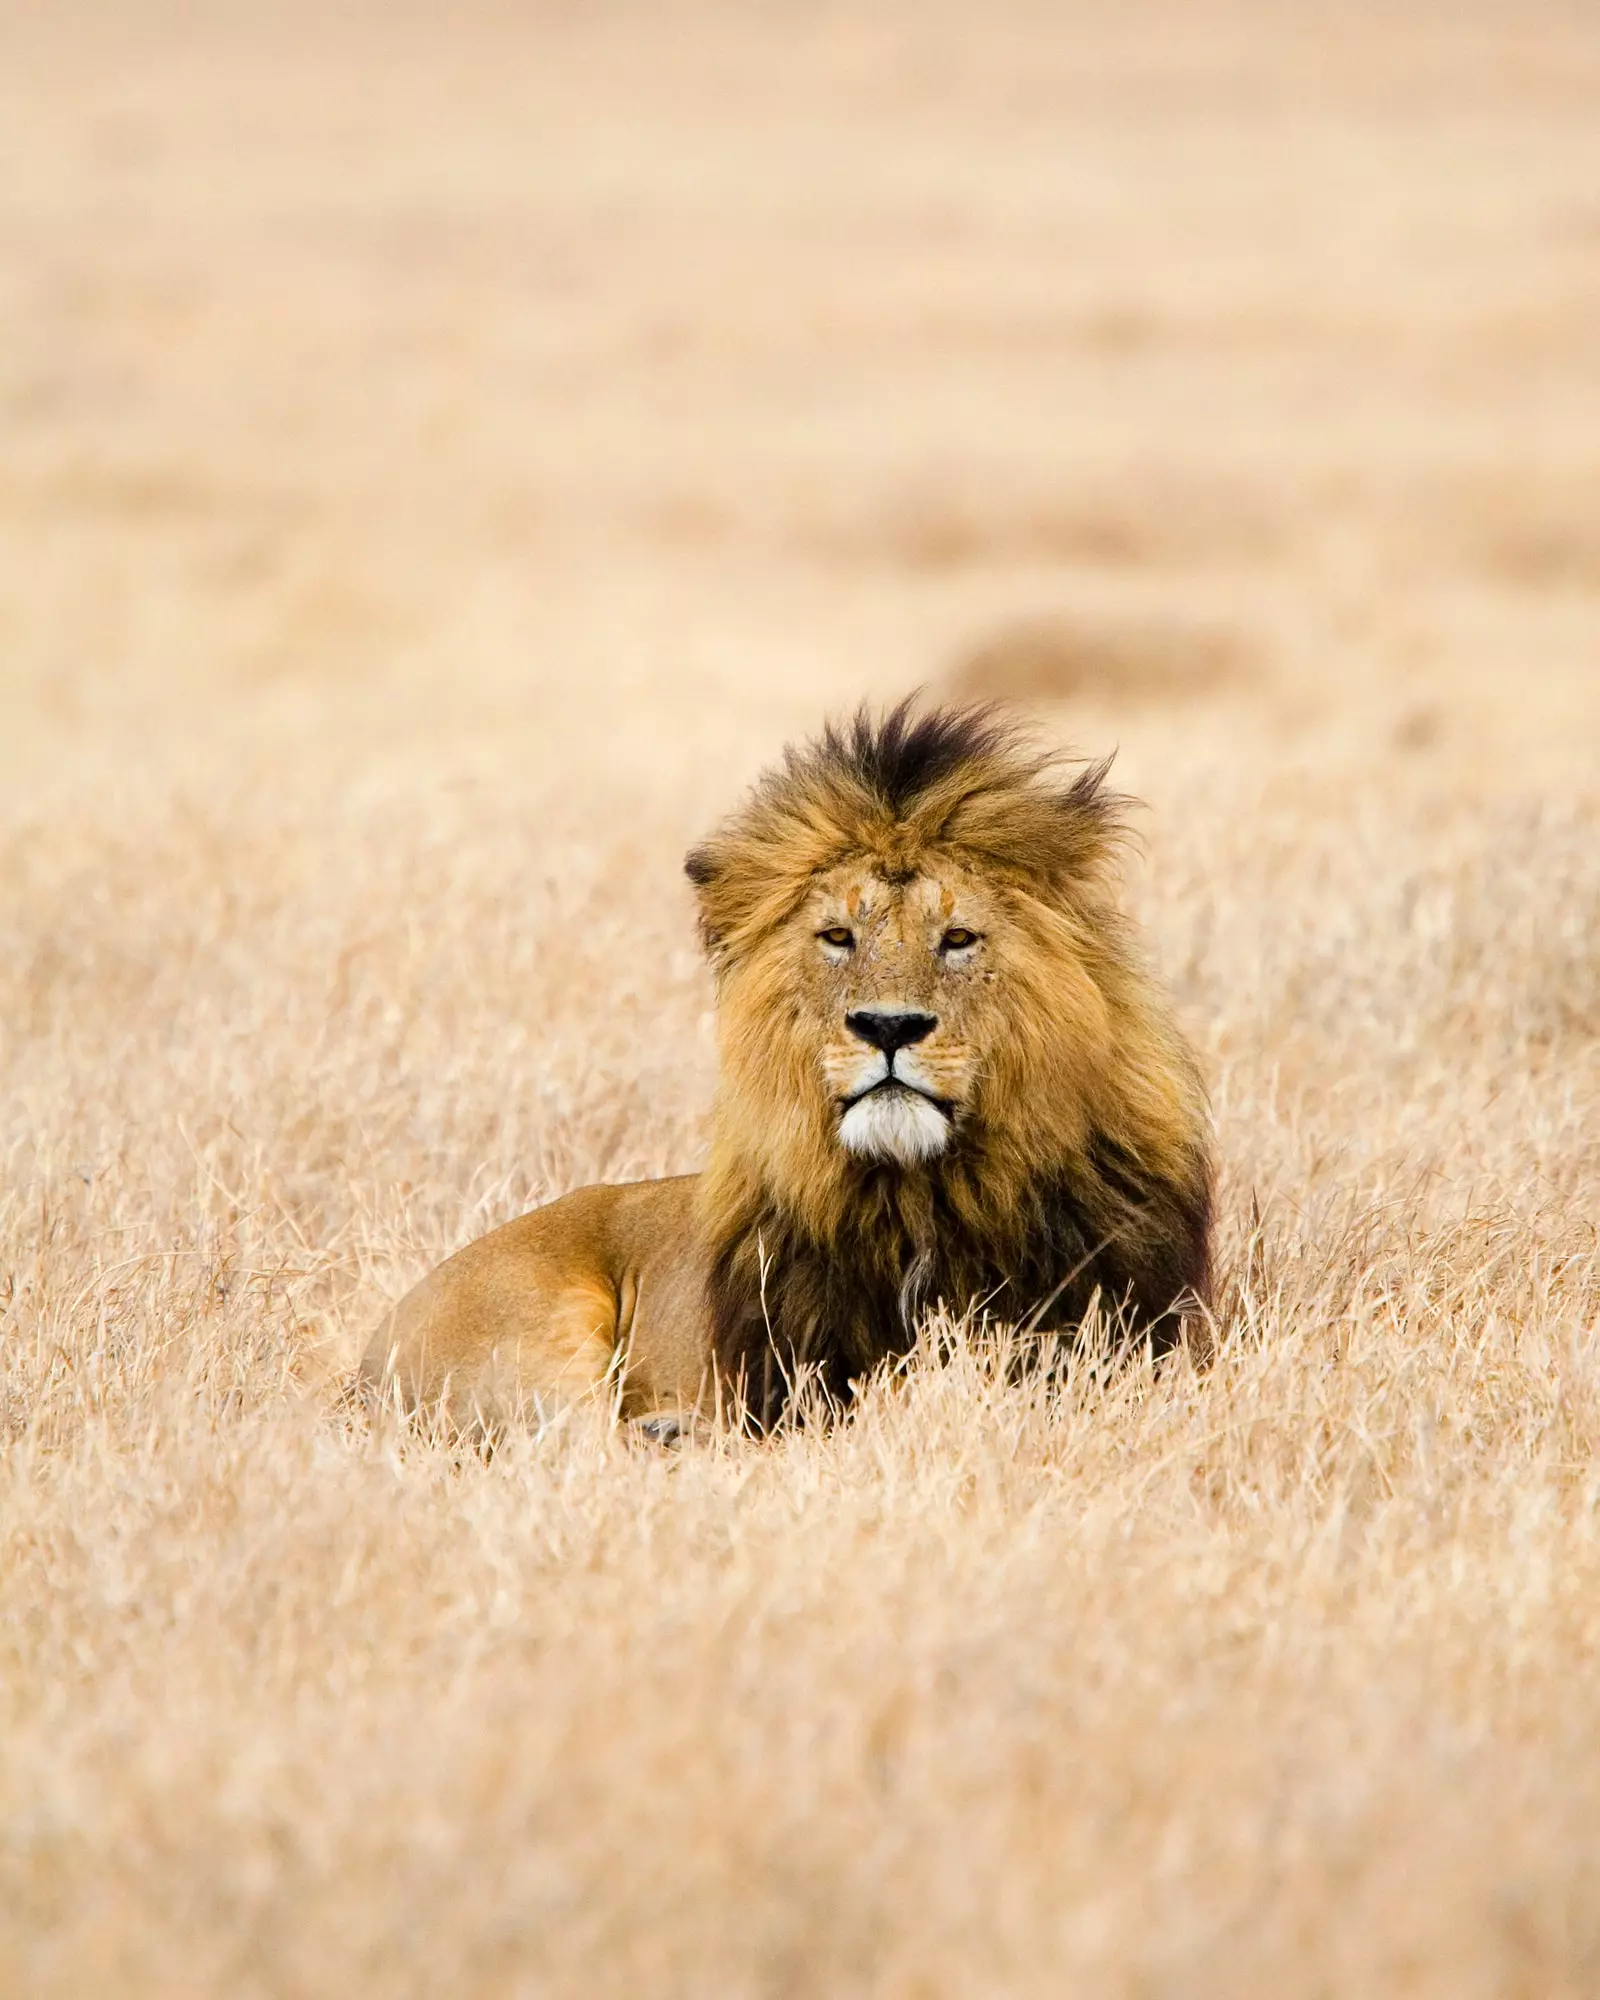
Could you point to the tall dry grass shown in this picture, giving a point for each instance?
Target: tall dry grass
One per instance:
(439, 462)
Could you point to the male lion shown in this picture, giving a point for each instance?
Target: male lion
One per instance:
(945, 1075)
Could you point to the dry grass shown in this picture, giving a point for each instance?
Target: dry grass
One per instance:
(437, 465)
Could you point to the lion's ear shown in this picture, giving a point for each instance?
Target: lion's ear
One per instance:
(702, 869)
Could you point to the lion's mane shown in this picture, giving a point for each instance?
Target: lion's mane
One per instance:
(1088, 1172)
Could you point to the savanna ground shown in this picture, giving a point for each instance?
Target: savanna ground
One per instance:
(442, 455)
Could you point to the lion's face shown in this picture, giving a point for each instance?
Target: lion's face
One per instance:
(892, 1013)
(896, 987)
(893, 976)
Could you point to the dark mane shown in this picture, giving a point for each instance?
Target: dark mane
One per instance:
(1107, 1232)
(899, 755)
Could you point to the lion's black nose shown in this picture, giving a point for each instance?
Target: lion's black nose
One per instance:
(888, 1028)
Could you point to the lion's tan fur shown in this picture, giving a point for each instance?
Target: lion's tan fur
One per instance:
(1078, 1165)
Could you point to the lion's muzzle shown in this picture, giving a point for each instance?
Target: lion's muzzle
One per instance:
(891, 1107)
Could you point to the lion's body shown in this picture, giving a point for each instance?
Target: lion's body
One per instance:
(945, 1078)
(603, 1291)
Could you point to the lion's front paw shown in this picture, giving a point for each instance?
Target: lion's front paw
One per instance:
(666, 1427)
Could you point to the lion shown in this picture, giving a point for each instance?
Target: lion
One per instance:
(945, 1077)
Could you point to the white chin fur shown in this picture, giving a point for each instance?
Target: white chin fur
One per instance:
(894, 1125)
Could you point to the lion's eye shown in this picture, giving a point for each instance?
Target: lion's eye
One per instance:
(838, 936)
(958, 939)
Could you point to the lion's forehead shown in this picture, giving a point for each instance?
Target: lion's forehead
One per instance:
(878, 902)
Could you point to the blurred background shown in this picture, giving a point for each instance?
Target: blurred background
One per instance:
(628, 384)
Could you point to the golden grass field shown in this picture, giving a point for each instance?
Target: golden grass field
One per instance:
(442, 457)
